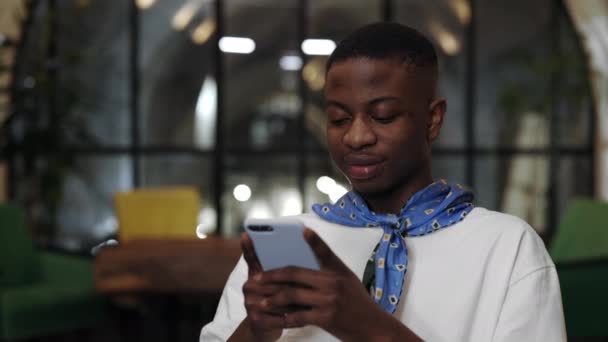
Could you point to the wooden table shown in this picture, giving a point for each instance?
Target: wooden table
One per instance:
(138, 272)
(166, 266)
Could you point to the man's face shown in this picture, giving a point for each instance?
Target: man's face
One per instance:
(381, 121)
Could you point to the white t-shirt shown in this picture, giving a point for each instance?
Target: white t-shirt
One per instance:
(487, 278)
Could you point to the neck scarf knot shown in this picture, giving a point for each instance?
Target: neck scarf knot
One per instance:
(437, 206)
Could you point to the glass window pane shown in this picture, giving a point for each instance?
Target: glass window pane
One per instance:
(450, 168)
(486, 183)
(69, 201)
(574, 96)
(335, 19)
(262, 108)
(575, 179)
(176, 170)
(88, 100)
(444, 23)
(85, 211)
(259, 186)
(517, 185)
(184, 170)
(513, 73)
(93, 93)
(179, 92)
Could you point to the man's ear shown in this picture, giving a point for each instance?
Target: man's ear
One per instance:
(437, 109)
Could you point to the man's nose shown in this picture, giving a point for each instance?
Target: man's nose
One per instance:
(359, 134)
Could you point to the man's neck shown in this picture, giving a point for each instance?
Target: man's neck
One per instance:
(393, 201)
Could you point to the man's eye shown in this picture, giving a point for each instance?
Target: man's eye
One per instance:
(338, 122)
(385, 119)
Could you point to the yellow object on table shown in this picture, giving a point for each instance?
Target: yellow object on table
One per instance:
(157, 213)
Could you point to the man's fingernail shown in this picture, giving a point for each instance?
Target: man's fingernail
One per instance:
(257, 277)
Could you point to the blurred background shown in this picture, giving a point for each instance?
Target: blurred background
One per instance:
(148, 122)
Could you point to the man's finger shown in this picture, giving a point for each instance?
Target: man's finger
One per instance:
(253, 287)
(265, 321)
(303, 318)
(261, 305)
(300, 297)
(249, 254)
(326, 257)
(296, 276)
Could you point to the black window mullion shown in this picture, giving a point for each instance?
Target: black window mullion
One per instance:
(388, 10)
(469, 95)
(134, 84)
(591, 143)
(554, 156)
(52, 65)
(302, 30)
(218, 156)
(15, 92)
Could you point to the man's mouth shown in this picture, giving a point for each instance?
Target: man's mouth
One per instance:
(357, 172)
(362, 167)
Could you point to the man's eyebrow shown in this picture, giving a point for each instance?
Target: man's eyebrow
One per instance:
(383, 99)
(330, 102)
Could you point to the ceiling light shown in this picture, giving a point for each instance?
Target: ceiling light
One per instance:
(203, 31)
(240, 45)
(144, 4)
(290, 62)
(184, 15)
(242, 193)
(318, 47)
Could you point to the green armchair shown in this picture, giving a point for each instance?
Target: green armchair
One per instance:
(580, 252)
(42, 293)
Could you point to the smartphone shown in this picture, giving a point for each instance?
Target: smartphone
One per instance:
(280, 242)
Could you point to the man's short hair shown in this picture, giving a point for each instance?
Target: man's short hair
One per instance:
(385, 40)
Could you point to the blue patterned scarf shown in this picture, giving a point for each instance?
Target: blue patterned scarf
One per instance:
(437, 206)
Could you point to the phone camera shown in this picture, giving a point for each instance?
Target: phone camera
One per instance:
(262, 228)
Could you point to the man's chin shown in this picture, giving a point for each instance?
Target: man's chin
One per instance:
(369, 188)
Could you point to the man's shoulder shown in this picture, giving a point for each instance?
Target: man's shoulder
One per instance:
(511, 233)
(498, 222)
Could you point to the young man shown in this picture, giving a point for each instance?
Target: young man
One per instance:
(402, 257)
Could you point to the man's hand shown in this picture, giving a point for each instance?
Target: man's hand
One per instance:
(262, 322)
(335, 297)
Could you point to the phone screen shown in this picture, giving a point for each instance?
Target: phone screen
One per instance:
(280, 243)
